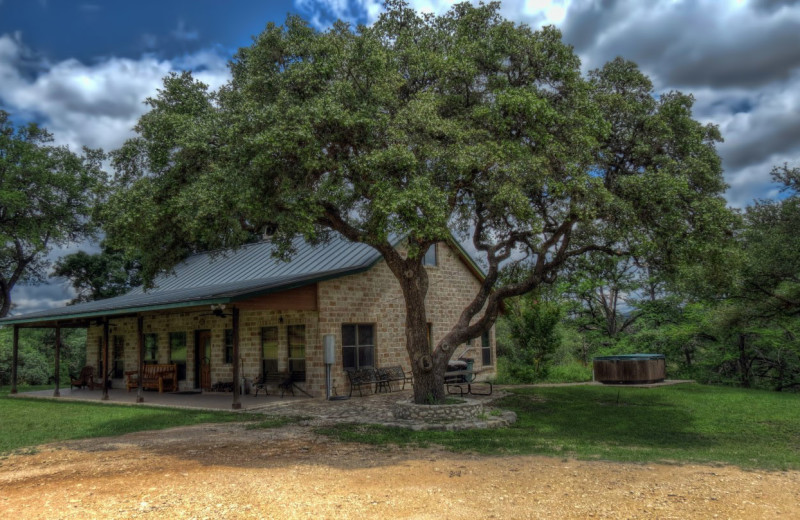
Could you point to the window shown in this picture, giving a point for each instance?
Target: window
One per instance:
(150, 349)
(296, 339)
(269, 349)
(486, 349)
(177, 352)
(118, 365)
(358, 346)
(430, 256)
(229, 346)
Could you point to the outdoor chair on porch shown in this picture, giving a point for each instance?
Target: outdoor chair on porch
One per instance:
(85, 378)
(283, 380)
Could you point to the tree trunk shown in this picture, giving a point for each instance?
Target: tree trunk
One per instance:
(5, 294)
(744, 365)
(428, 365)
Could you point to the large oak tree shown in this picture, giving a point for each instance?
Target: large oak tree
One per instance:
(47, 194)
(413, 127)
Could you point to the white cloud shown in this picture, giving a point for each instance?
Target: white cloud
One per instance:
(322, 13)
(184, 34)
(95, 105)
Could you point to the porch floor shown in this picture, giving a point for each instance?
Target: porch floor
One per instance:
(202, 401)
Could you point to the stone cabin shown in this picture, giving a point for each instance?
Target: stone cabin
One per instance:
(284, 309)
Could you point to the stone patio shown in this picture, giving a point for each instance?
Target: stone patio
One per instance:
(370, 409)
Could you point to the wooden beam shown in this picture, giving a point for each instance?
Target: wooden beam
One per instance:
(105, 360)
(56, 392)
(14, 360)
(236, 401)
(140, 345)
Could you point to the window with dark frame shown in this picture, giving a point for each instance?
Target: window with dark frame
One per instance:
(150, 349)
(228, 347)
(269, 349)
(430, 256)
(296, 343)
(177, 352)
(358, 346)
(486, 349)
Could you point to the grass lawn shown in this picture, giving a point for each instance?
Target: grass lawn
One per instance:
(680, 424)
(26, 423)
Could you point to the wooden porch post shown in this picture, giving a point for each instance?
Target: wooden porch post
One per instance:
(140, 344)
(105, 360)
(56, 392)
(14, 360)
(236, 403)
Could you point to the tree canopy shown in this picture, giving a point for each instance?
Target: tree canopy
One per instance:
(101, 275)
(417, 126)
(47, 193)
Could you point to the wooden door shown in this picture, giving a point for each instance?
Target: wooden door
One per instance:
(203, 359)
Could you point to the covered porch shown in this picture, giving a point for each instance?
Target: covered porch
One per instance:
(104, 375)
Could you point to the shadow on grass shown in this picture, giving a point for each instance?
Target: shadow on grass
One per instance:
(32, 422)
(631, 418)
(686, 423)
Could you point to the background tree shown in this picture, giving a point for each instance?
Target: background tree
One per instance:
(100, 275)
(36, 359)
(535, 336)
(411, 127)
(46, 196)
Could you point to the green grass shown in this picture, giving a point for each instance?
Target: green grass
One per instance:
(678, 424)
(26, 423)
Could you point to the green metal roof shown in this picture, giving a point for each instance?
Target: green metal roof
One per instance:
(224, 277)
(229, 276)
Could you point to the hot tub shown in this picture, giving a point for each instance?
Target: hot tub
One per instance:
(630, 368)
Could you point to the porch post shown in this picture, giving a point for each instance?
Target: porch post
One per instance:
(236, 403)
(14, 360)
(105, 360)
(140, 344)
(56, 392)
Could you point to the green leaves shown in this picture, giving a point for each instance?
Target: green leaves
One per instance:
(46, 197)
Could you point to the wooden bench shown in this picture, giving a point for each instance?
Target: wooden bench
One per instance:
(365, 377)
(155, 377)
(395, 373)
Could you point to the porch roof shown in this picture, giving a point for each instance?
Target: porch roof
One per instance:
(223, 277)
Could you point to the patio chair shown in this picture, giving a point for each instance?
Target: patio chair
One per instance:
(85, 378)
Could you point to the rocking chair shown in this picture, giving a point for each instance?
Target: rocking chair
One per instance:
(86, 378)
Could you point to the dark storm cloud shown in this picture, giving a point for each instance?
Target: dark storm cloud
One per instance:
(31, 298)
(760, 138)
(771, 6)
(689, 44)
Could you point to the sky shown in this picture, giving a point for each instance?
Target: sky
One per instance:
(82, 68)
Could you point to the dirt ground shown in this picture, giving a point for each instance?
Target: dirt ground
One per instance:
(226, 471)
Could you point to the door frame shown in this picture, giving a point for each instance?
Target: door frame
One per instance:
(198, 355)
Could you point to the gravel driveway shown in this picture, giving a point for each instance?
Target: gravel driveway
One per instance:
(227, 471)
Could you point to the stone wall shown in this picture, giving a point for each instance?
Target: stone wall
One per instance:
(250, 323)
(375, 297)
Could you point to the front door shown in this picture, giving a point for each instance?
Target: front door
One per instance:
(202, 359)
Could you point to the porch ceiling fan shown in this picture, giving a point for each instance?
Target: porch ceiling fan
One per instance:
(218, 310)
